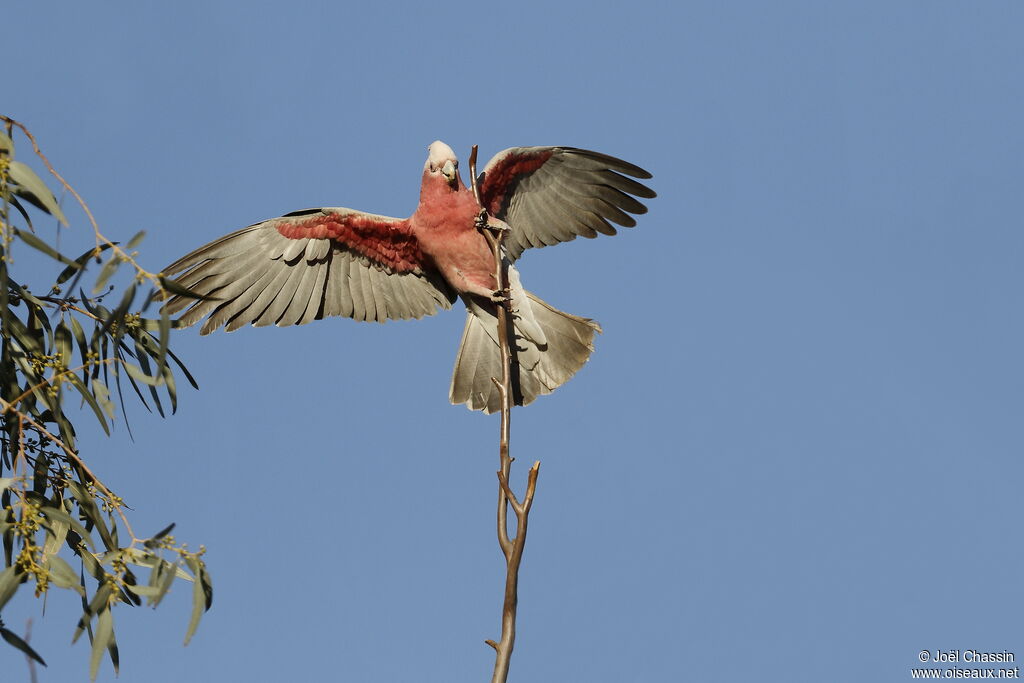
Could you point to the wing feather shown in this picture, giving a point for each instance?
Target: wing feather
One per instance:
(549, 195)
(305, 266)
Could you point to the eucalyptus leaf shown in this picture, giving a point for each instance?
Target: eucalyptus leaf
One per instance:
(15, 640)
(135, 240)
(88, 397)
(79, 263)
(108, 270)
(21, 209)
(62, 575)
(62, 340)
(99, 602)
(138, 374)
(144, 591)
(122, 308)
(35, 190)
(143, 558)
(100, 640)
(10, 579)
(202, 595)
(55, 537)
(54, 514)
(39, 245)
(102, 395)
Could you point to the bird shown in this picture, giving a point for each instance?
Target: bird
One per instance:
(316, 263)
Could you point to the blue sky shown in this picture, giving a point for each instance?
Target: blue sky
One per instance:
(796, 452)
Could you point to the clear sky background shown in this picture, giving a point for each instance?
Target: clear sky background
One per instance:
(796, 454)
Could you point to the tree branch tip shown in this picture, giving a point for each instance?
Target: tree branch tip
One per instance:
(492, 644)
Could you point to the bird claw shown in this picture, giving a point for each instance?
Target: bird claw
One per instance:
(501, 296)
(481, 221)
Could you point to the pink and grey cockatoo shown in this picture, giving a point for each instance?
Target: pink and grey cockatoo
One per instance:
(316, 263)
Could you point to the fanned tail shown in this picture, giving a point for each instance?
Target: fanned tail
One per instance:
(548, 347)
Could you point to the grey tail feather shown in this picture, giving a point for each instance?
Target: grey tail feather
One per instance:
(536, 369)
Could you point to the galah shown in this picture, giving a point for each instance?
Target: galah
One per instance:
(316, 263)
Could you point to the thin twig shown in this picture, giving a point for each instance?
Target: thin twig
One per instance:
(6, 407)
(100, 237)
(59, 376)
(511, 548)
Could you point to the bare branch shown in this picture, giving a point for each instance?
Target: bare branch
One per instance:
(511, 548)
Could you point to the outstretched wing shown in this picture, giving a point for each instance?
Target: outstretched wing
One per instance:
(555, 194)
(309, 265)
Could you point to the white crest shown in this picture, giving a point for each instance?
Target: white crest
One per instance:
(438, 154)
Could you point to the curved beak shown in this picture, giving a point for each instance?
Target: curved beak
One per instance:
(450, 173)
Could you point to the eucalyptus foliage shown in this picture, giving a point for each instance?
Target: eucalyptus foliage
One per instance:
(60, 525)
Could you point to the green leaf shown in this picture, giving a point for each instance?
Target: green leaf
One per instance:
(100, 640)
(102, 394)
(163, 532)
(62, 340)
(39, 245)
(83, 347)
(55, 537)
(165, 338)
(134, 241)
(79, 263)
(91, 513)
(184, 370)
(5, 483)
(99, 602)
(91, 564)
(142, 558)
(118, 315)
(35, 190)
(10, 579)
(166, 572)
(138, 374)
(88, 397)
(17, 642)
(24, 337)
(144, 591)
(62, 575)
(109, 268)
(6, 144)
(202, 595)
(21, 209)
(115, 659)
(52, 513)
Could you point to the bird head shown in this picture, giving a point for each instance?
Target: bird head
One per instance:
(441, 161)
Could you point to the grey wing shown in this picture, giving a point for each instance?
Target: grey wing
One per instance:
(549, 195)
(259, 276)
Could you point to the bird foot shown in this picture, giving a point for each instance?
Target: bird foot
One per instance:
(501, 296)
(481, 221)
